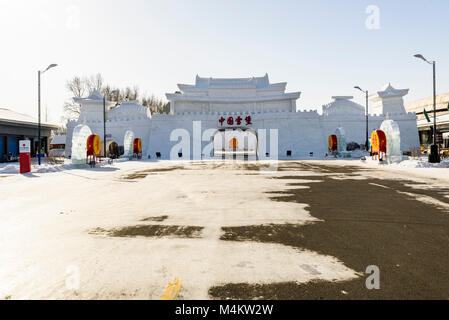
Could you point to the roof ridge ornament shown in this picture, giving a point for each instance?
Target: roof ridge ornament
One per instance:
(389, 91)
(337, 98)
(94, 95)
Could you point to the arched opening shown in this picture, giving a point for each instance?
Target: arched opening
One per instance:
(235, 142)
(113, 150)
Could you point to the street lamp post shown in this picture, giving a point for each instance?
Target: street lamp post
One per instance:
(367, 103)
(104, 120)
(39, 73)
(434, 156)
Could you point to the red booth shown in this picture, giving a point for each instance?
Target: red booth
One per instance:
(25, 156)
(333, 143)
(137, 148)
(379, 144)
(93, 147)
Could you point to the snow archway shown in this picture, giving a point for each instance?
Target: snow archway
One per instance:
(79, 144)
(393, 134)
(341, 139)
(128, 144)
(235, 142)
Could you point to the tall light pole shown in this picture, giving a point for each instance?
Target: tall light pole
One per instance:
(434, 156)
(104, 120)
(367, 134)
(39, 109)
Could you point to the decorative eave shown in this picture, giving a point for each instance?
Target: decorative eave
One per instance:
(342, 102)
(183, 97)
(191, 88)
(128, 109)
(94, 98)
(337, 98)
(92, 101)
(275, 86)
(395, 93)
(389, 91)
(252, 82)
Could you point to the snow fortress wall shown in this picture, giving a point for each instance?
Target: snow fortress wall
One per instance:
(214, 102)
(298, 132)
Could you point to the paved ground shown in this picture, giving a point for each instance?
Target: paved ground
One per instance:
(226, 230)
(367, 220)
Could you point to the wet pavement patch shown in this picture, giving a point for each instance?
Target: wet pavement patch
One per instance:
(157, 231)
(144, 173)
(247, 166)
(314, 290)
(133, 176)
(155, 219)
(363, 225)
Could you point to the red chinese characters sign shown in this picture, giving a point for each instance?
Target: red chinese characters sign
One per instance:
(239, 121)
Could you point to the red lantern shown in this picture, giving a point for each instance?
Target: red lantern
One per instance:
(93, 145)
(379, 143)
(333, 143)
(137, 146)
(93, 148)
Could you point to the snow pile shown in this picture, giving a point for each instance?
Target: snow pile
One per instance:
(10, 169)
(345, 155)
(45, 167)
(422, 163)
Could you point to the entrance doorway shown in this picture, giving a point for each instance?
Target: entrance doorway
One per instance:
(235, 142)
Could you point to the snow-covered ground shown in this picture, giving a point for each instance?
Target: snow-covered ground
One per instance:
(46, 167)
(415, 167)
(52, 245)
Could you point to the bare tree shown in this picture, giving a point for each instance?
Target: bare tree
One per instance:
(154, 104)
(166, 108)
(128, 93)
(94, 83)
(61, 130)
(80, 87)
(77, 89)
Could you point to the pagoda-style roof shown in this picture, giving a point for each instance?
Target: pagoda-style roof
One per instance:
(203, 84)
(222, 94)
(388, 91)
(94, 97)
(129, 109)
(193, 98)
(342, 105)
(254, 82)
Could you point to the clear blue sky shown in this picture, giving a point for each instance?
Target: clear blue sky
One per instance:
(321, 48)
